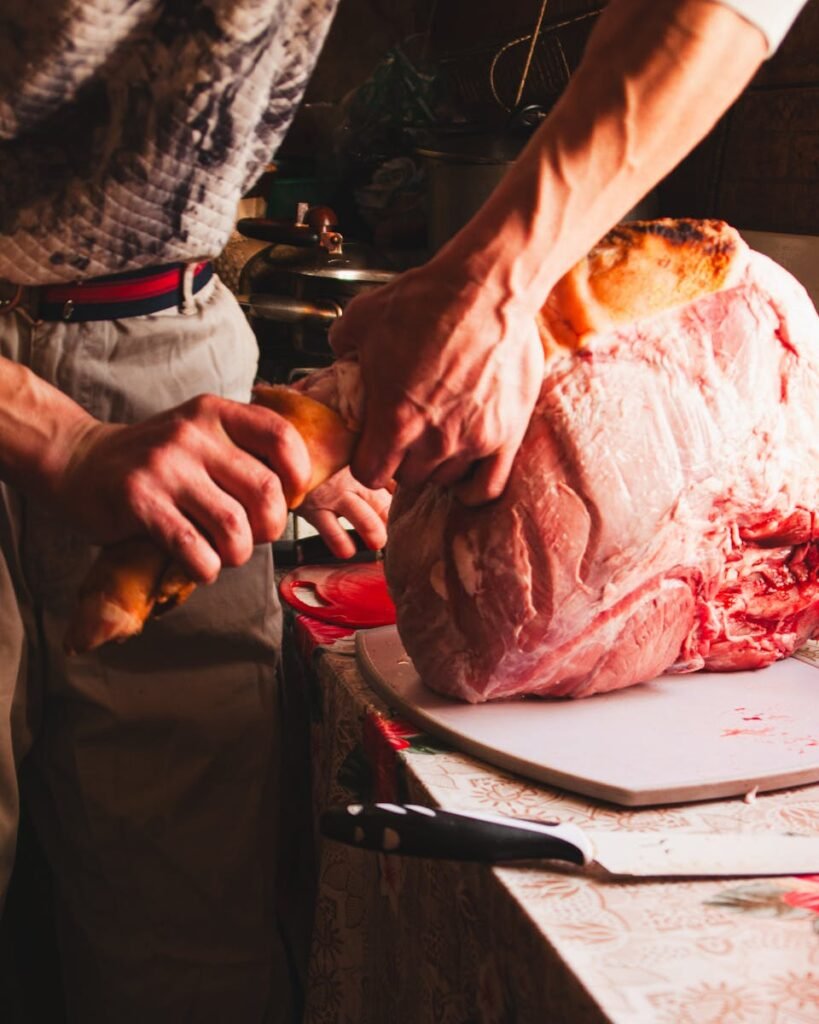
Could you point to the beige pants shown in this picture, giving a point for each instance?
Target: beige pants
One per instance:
(150, 768)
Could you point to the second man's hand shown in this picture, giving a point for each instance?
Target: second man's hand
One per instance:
(343, 496)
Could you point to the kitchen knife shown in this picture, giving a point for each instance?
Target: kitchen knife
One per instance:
(469, 836)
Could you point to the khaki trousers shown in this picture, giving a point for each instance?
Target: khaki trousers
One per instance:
(150, 768)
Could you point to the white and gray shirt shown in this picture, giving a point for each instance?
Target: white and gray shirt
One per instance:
(129, 129)
(773, 18)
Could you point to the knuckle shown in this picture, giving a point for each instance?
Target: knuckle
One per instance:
(183, 538)
(154, 463)
(262, 417)
(229, 521)
(183, 433)
(281, 437)
(137, 491)
(270, 492)
(283, 441)
(185, 543)
(203, 405)
(133, 486)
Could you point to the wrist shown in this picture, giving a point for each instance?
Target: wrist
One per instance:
(40, 430)
(480, 276)
(71, 440)
(507, 249)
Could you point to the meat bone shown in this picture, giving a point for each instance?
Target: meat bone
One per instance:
(135, 579)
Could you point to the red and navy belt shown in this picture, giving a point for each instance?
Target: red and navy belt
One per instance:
(115, 296)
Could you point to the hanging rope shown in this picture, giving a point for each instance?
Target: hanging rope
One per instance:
(530, 54)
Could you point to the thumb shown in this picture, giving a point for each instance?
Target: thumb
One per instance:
(488, 480)
(375, 460)
(383, 444)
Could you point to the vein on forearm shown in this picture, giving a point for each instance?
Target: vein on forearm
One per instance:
(654, 80)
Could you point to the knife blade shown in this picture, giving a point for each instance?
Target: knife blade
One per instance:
(415, 830)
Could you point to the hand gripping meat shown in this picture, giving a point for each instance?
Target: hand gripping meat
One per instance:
(134, 580)
(633, 273)
(661, 509)
(661, 514)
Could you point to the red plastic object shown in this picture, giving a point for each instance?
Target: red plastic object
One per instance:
(346, 595)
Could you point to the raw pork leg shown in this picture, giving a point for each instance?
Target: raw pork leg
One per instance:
(661, 513)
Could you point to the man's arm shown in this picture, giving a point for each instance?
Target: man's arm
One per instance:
(39, 427)
(654, 80)
(206, 480)
(449, 352)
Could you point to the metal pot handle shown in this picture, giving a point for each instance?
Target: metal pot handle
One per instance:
(313, 226)
(286, 310)
(283, 232)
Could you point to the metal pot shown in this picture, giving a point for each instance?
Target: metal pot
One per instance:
(462, 172)
(294, 290)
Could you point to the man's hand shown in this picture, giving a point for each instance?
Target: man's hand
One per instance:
(451, 374)
(343, 495)
(449, 352)
(206, 481)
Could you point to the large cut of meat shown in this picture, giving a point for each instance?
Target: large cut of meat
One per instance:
(661, 512)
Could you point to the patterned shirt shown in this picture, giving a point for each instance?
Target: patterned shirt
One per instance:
(129, 129)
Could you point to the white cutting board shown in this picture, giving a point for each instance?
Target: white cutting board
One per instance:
(676, 739)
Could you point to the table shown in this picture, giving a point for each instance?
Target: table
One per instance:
(427, 942)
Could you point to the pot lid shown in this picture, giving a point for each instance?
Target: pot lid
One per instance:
(279, 268)
(344, 273)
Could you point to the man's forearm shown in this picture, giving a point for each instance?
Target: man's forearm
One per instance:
(654, 80)
(39, 428)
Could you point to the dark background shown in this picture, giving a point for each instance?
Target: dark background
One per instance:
(757, 169)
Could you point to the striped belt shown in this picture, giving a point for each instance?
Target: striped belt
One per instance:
(112, 297)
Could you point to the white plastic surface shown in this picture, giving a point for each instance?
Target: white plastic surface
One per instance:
(677, 739)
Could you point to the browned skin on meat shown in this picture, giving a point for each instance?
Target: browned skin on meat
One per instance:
(637, 270)
(329, 441)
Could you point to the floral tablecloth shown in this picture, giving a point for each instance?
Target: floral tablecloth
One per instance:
(422, 942)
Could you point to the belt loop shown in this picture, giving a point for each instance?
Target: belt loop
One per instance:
(188, 306)
(15, 304)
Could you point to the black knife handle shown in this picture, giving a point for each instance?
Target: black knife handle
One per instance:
(451, 835)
